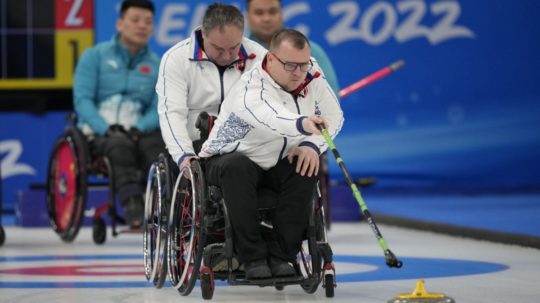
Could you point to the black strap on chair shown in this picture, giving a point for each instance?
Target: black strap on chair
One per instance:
(204, 124)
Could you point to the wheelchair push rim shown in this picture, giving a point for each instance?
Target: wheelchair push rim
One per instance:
(310, 257)
(186, 234)
(155, 229)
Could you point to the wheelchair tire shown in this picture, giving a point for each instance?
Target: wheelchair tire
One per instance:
(67, 184)
(186, 238)
(312, 270)
(155, 226)
(99, 231)
(2, 235)
(312, 261)
(207, 283)
(329, 285)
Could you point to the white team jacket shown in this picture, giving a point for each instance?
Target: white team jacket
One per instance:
(189, 83)
(261, 120)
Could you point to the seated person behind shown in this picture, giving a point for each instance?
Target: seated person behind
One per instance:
(196, 74)
(115, 100)
(266, 135)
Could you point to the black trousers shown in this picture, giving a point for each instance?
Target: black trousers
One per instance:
(240, 180)
(130, 158)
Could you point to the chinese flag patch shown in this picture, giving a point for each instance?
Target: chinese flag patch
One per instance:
(144, 69)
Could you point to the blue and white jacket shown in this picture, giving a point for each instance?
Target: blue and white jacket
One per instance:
(264, 122)
(112, 87)
(189, 83)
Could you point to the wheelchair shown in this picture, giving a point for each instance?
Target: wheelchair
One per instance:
(186, 226)
(72, 170)
(155, 225)
(159, 191)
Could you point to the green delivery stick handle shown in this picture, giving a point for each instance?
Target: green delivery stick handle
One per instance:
(391, 259)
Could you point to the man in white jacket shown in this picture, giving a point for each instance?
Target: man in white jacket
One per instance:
(196, 74)
(266, 137)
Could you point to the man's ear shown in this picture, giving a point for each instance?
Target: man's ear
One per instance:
(203, 34)
(269, 57)
(118, 24)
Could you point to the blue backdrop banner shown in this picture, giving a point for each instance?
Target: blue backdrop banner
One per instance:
(463, 113)
(465, 110)
(26, 140)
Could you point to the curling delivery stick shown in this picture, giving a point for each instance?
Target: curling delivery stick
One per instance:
(383, 72)
(391, 259)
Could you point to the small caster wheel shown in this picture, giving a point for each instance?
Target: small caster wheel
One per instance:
(99, 231)
(2, 235)
(207, 284)
(329, 286)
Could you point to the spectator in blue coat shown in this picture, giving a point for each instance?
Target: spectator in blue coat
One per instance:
(265, 18)
(116, 103)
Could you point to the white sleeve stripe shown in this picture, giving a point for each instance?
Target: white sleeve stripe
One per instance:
(166, 99)
(266, 101)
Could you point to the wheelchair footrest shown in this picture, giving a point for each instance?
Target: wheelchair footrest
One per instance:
(277, 281)
(215, 257)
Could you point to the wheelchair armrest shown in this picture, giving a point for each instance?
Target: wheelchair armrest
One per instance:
(204, 124)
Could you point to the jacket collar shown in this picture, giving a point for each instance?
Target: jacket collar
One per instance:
(198, 53)
(124, 51)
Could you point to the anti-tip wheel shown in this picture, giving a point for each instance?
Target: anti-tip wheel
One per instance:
(207, 285)
(99, 231)
(2, 235)
(329, 286)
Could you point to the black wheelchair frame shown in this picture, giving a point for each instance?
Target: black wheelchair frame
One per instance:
(70, 166)
(197, 217)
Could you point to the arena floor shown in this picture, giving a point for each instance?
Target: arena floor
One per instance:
(35, 266)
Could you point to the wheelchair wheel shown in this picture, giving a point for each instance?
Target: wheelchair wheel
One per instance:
(207, 283)
(99, 231)
(311, 259)
(66, 184)
(186, 237)
(311, 269)
(2, 235)
(329, 285)
(155, 227)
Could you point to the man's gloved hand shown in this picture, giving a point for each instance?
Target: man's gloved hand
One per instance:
(135, 133)
(115, 130)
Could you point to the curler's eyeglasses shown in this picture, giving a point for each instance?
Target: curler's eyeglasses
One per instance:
(291, 66)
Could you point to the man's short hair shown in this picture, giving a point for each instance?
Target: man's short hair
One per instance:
(218, 15)
(297, 39)
(248, 2)
(126, 4)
